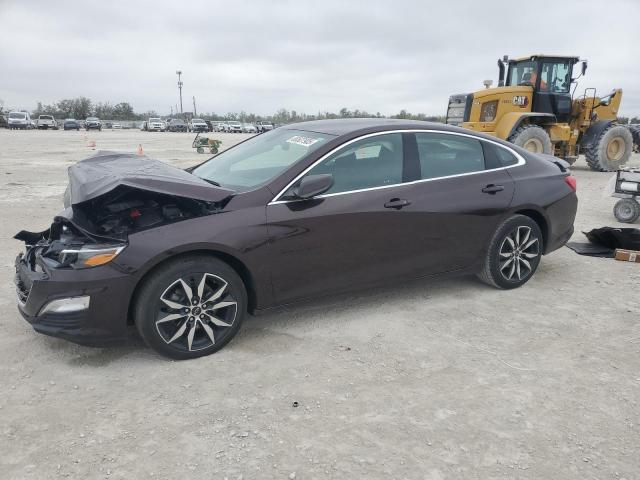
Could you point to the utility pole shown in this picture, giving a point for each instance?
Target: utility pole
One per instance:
(195, 112)
(179, 73)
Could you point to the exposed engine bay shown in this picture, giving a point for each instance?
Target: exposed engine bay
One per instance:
(110, 196)
(107, 221)
(126, 210)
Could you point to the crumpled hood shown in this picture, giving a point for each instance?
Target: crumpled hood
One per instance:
(105, 171)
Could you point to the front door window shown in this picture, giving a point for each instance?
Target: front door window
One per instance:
(368, 163)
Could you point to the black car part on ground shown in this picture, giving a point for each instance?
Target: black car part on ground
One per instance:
(604, 241)
(627, 238)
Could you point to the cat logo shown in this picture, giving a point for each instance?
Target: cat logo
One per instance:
(520, 100)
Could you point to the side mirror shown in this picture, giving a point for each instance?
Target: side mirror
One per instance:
(584, 66)
(313, 185)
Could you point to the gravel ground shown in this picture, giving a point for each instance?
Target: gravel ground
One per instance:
(431, 379)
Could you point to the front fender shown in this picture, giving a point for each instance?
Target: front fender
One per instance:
(240, 236)
(510, 122)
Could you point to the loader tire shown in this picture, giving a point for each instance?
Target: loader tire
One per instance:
(635, 134)
(610, 150)
(532, 138)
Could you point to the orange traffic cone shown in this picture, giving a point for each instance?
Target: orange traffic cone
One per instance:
(140, 151)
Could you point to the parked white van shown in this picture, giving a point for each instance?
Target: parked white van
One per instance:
(21, 120)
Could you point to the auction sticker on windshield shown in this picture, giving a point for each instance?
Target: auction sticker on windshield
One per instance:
(304, 141)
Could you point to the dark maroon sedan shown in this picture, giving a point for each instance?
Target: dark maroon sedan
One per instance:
(300, 211)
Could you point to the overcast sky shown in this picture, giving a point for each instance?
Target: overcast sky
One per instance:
(308, 56)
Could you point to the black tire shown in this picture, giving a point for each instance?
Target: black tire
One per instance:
(626, 210)
(601, 158)
(532, 138)
(173, 337)
(506, 272)
(635, 134)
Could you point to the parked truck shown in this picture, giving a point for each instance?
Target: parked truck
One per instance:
(44, 122)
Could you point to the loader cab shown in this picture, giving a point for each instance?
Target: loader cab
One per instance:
(550, 78)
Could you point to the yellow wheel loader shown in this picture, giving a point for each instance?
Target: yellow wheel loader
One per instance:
(533, 106)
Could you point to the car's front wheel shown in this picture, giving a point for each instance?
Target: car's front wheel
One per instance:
(190, 307)
(513, 254)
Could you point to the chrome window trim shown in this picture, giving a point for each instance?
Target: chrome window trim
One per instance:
(276, 201)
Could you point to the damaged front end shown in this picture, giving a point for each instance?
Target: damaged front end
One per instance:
(110, 197)
(96, 231)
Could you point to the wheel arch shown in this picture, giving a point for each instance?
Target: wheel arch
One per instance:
(594, 131)
(511, 121)
(233, 261)
(538, 217)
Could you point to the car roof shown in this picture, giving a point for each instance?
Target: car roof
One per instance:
(352, 127)
(343, 126)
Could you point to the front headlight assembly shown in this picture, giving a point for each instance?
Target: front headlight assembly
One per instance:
(488, 111)
(88, 256)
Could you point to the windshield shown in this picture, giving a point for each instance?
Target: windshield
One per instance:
(92, 119)
(155, 120)
(260, 159)
(233, 123)
(177, 122)
(17, 115)
(197, 120)
(45, 117)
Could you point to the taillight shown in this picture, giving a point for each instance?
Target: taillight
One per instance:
(571, 181)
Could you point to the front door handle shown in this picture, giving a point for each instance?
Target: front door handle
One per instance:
(397, 203)
(493, 189)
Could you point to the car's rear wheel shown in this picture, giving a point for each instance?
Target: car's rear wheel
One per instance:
(190, 307)
(513, 254)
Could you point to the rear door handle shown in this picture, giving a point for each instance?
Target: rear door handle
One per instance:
(493, 189)
(397, 203)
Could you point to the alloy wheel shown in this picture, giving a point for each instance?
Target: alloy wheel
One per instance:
(195, 312)
(518, 249)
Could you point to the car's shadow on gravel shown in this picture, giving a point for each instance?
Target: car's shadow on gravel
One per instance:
(274, 323)
(78, 355)
(333, 308)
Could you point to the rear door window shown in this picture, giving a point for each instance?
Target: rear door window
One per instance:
(444, 155)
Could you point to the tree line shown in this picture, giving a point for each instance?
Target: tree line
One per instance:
(83, 107)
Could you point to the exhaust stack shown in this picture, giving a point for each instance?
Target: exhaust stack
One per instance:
(501, 66)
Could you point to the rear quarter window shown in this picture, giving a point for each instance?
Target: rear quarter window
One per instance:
(497, 156)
